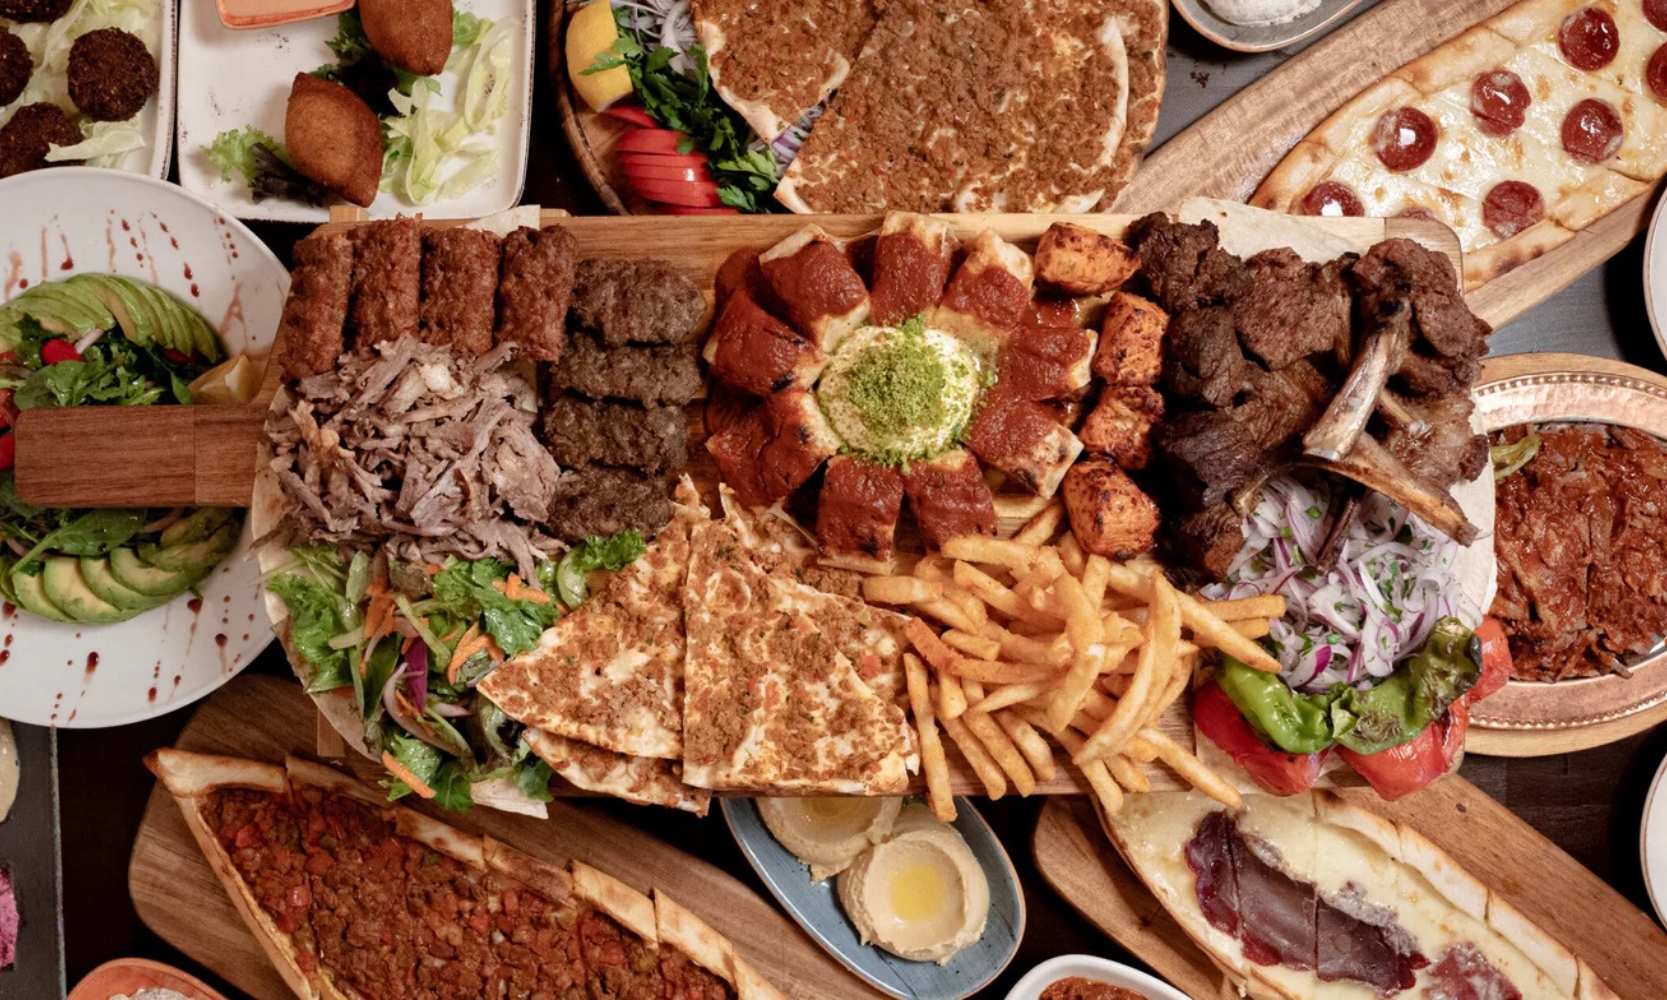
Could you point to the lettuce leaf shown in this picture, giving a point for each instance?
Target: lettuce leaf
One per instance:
(234, 152)
(314, 619)
(465, 589)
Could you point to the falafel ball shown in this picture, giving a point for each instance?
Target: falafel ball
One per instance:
(16, 66)
(412, 35)
(111, 75)
(334, 138)
(31, 134)
(38, 11)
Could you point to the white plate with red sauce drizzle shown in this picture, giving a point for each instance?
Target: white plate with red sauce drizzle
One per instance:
(77, 220)
(1655, 275)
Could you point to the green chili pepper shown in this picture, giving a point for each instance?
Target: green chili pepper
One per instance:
(1294, 723)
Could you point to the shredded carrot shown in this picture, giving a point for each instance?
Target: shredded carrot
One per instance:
(493, 651)
(470, 643)
(404, 774)
(434, 569)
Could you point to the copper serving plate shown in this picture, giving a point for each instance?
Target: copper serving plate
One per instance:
(1572, 388)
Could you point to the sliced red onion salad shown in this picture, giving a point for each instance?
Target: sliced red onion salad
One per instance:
(663, 24)
(1393, 582)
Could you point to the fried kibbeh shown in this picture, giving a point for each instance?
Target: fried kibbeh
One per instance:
(16, 67)
(111, 75)
(32, 132)
(334, 138)
(34, 11)
(412, 35)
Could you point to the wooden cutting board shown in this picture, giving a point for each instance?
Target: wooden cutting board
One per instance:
(1229, 152)
(164, 456)
(1626, 948)
(265, 718)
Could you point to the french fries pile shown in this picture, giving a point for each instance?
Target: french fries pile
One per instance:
(1041, 637)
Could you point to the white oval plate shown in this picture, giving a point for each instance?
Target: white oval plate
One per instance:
(1097, 970)
(1655, 275)
(816, 908)
(156, 119)
(1262, 37)
(232, 78)
(74, 220)
(1652, 846)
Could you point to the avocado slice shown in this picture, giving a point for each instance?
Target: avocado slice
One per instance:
(208, 339)
(31, 597)
(96, 571)
(6, 592)
(135, 575)
(65, 315)
(176, 328)
(67, 588)
(194, 557)
(195, 526)
(132, 311)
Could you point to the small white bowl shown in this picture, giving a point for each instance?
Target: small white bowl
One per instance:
(1652, 846)
(1095, 969)
(1262, 37)
(1655, 275)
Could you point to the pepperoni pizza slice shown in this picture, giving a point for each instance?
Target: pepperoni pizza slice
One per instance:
(1518, 134)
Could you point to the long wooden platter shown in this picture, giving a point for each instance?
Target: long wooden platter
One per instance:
(1626, 948)
(1229, 152)
(178, 896)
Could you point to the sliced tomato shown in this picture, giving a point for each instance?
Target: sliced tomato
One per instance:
(1400, 771)
(178, 357)
(656, 172)
(1276, 771)
(693, 194)
(1496, 660)
(652, 140)
(687, 210)
(666, 159)
(8, 451)
(54, 351)
(633, 114)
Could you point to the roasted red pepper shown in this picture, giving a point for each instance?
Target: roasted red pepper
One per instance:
(1275, 771)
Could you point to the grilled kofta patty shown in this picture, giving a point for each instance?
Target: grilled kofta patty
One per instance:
(31, 134)
(111, 75)
(34, 10)
(16, 66)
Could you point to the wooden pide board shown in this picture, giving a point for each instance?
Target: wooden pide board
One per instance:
(178, 896)
(1228, 153)
(1623, 945)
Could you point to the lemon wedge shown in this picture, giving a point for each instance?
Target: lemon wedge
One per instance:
(591, 32)
(230, 383)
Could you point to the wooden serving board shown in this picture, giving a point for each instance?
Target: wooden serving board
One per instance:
(130, 457)
(1229, 152)
(1626, 948)
(178, 896)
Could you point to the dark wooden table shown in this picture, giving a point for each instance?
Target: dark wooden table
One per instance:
(1590, 804)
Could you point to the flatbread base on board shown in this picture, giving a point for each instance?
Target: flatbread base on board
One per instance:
(644, 781)
(1347, 853)
(657, 931)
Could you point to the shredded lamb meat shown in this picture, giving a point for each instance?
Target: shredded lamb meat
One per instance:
(406, 445)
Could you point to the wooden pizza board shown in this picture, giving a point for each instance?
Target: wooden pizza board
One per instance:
(1229, 152)
(1624, 946)
(178, 896)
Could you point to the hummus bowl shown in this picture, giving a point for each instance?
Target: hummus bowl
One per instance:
(816, 907)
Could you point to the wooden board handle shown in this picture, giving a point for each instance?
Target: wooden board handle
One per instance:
(154, 456)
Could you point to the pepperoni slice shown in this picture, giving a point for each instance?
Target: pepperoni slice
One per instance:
(1405, 139)
(1656, 12)
(1592, 131)
(1511, 207)
(1499, 100)
(1332, 199)
(1589, 39)
(1656, 73)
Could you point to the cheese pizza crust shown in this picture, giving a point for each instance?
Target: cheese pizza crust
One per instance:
(1517, 134)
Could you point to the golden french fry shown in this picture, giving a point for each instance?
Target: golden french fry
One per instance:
(1049, 566)
(1117, 685)
(1252, 628)
(973, 645)
(1140, 751)
(1001, 748)
(1095, 572)
(1192, 769)
(899, 590)
(1130, 712)
(1119, 631)
(1099, 778)
(1206, 627)
(1079, 680)
(1030, 743)
(1029, 649)
(1009, 695)
(1128, 774)
(1097, 705)
(995, 782)
(931, 569)
(1082, 616)
(1179, 678)
(1014, 555)
(1245, 608)
(932, 759)
(997, 595)
(998, 672)
(1072, 555)
(1041, 528)
(952, 698)
(930, 647)
(948, 612)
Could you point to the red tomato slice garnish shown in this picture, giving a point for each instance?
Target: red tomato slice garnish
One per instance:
(632, 114)
(665, 159)
(693, 194)
(652, 140)
(1496, 660)
(8, 358)
(55, 351)
(179, 357)
(1277, 772)
(687, 210)
(8, 451)
(1400, 771)
(653, 171)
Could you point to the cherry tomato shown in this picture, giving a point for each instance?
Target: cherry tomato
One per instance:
(694, 194)
(8, 358)
(653, 140)
(8, 451)
(633, 114)
(665, 159)
(686, 210)
(179, 357)
(1496, 660)
(55, 351)
(1277, 772)
(655, 172)
(1400, 771)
